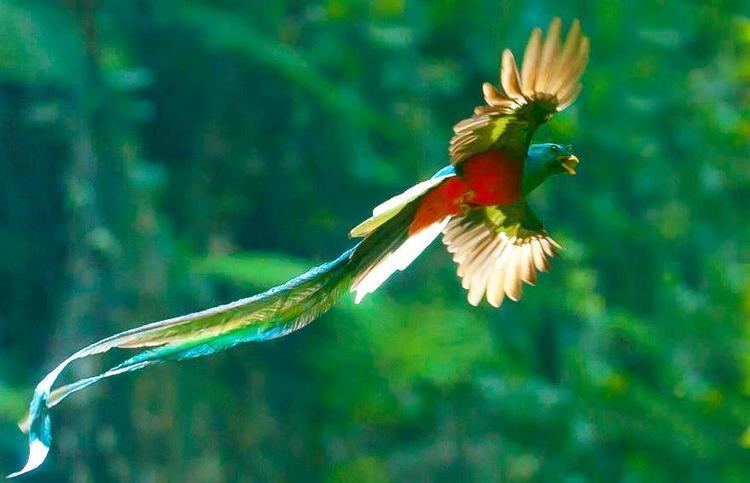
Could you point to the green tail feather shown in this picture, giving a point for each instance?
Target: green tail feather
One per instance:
(269, 315)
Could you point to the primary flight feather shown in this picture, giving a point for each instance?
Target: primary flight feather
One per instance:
(478, 203)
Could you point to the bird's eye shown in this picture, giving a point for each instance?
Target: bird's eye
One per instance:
(555, 148)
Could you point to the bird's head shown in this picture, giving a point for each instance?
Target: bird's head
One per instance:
(553, 158)
(545, 160)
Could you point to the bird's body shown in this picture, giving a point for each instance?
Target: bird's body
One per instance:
(487, 179)
(493, 178)
(478, 203)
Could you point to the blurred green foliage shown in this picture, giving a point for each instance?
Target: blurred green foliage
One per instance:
(162, 156)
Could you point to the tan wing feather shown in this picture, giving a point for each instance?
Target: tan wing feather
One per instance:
(494, 265)
(549, 79)
(530, 62)
(509, 78)
(549, 55)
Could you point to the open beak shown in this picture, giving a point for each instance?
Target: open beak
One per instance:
(569, 164)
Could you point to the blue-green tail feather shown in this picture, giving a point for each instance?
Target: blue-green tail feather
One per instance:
(274, 313)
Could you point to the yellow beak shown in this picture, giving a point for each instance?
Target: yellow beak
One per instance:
(569, 164)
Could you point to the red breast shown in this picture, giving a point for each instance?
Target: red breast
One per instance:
(493, 177)
(490, 178)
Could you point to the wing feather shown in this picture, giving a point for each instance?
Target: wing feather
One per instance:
(497, 250)
(548, 82)
(509, 77)
(512, 282)
(550, 51)
(393, 206)
(396, 260)
(530, 64)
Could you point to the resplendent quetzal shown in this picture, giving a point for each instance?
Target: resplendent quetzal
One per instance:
(478, 203)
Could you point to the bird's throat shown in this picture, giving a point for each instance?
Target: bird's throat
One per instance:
(532, 178)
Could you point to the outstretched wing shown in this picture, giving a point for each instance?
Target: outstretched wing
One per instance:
(547, 83)
(498, 248)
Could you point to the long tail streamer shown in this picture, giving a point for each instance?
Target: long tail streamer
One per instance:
(275, 313)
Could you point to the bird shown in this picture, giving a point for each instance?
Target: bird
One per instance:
(478, 203)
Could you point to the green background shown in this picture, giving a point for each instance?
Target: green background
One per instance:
(159, 157)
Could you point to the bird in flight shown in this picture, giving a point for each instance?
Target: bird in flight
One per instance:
(478, 202)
